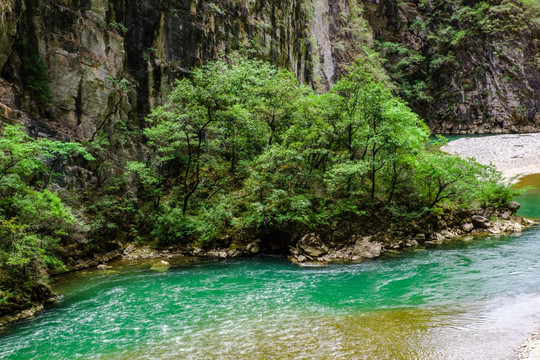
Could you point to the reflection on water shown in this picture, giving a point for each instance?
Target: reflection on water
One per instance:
(530, 201)
(461, 300)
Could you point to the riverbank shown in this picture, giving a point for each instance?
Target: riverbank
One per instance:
(350, 243)
(365, 239)
(530, 350)
(513, 155)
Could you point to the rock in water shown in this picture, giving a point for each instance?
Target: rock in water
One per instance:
(161, 266)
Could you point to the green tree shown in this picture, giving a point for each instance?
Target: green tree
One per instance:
(243, 148)
(33, 220)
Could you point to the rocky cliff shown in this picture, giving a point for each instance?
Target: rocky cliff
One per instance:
(74, 67)
(465, 66)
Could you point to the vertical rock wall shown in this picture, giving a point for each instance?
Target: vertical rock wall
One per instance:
(476, 65)
(8, 29)
(117, 59)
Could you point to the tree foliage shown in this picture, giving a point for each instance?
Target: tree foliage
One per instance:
(243, 147)
(33, 220)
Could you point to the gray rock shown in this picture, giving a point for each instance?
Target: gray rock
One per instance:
(467, 227)
(436, 238)
(129, 249)
(480, 222)
(411, 243)
(234, 252)
(312, 245)
(513, 206)
(420, 237)
(366, 248)
(254, 247)
(218, 253)
(447, 234)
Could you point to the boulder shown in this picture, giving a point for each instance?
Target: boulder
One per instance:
(312, 245)
(467, 227)
(130, 249)
(506, 215)
(447, 234)
(411, 243)
(218, 253)
(480, 222)
(234, 252)
(253, 247)
(436, 238)
(420, 237)
(365, 248)
(513, 206)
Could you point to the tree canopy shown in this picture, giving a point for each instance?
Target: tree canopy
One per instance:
(241, 146)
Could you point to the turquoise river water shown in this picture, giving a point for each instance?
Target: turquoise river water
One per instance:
(469, 299)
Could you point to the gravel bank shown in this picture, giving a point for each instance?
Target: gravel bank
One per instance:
(514, 155)
(531, 348)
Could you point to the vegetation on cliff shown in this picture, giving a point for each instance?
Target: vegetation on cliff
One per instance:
(452, 60)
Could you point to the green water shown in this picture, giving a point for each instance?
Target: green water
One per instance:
(474, 299)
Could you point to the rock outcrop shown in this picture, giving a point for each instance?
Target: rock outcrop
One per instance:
(356, 245)
(465, 67)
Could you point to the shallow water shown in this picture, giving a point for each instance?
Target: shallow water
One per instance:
(475, 299)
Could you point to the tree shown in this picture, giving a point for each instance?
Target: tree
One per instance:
(32, 219)
(242, 147)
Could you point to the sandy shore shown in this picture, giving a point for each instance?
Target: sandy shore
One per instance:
(514, 155)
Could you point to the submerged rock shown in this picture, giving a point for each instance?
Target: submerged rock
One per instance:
(161, 266)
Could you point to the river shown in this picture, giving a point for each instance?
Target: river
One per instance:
(468, 299)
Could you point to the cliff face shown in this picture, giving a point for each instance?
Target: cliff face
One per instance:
(112, 60)
(465, 66)
(107, 60)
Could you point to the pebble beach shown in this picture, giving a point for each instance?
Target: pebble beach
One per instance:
(514, 155)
